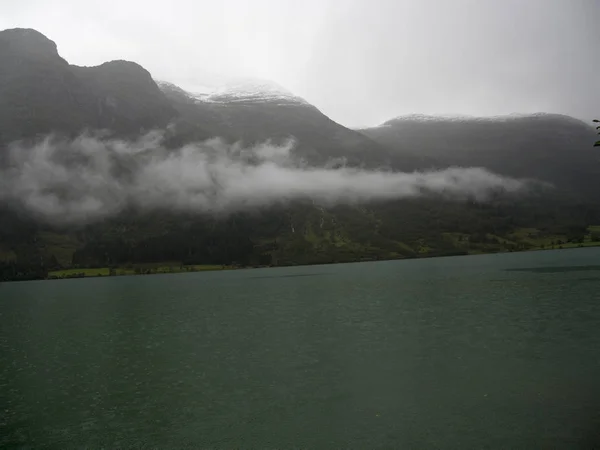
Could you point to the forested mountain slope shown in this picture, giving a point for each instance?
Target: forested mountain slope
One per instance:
(550, 147)
(40, 93)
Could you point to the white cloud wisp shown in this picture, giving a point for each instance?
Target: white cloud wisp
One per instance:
(93, 177)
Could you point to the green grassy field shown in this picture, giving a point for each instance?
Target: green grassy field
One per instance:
(345, 250)
(142, 269)
(522, 239)
(535, 240)
(68, 273)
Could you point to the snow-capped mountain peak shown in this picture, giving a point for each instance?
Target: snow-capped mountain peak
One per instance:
(241, 90)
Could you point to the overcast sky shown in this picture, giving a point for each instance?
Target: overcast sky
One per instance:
(360, 61)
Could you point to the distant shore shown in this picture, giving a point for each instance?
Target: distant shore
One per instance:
(161, 269)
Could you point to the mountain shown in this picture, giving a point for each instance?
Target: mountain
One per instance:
(41, 93)
(252, 111)
(549, 147)
(244, 90)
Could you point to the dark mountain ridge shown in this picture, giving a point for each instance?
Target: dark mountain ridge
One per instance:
(550, 147)
(41, 93)
(251, 118)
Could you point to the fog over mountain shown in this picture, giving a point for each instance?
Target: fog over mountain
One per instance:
(91, 178)
(113, 164)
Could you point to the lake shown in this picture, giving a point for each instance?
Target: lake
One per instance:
(492, 351)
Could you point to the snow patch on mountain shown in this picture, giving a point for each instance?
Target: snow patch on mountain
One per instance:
(468, 118)
(247, 90)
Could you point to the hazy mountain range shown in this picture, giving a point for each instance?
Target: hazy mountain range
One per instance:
(345, 194)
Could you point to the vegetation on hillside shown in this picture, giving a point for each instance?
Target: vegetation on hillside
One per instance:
(41, 93)
(302, 233)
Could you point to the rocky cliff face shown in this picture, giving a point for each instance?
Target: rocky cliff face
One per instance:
(41, 93)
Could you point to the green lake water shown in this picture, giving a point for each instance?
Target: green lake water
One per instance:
(492, 351)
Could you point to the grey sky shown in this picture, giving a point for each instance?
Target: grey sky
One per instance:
(360, 61)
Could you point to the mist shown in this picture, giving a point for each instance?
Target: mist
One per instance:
(94, 176)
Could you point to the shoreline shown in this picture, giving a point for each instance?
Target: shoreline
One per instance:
(127, 271)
